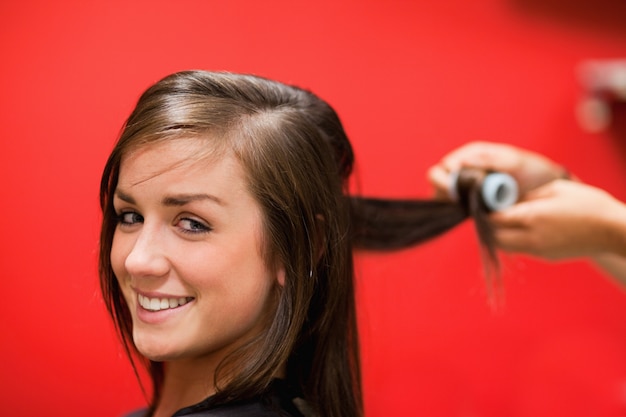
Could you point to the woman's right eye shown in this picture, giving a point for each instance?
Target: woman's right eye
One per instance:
(129, 218)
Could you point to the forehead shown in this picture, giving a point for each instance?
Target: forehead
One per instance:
(181, 163)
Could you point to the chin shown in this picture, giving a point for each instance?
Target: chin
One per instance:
(155, 357)
(154, 350)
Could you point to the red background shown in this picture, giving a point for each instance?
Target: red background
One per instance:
(411, 80)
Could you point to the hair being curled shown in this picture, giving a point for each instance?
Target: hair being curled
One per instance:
(297, 159)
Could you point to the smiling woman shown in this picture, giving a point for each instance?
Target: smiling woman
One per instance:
(201, 248)
(226, 247)
(223, 261)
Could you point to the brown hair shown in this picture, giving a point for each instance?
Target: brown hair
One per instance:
(384, 224)
(297, 178)
(297, 159)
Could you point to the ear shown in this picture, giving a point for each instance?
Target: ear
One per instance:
(280, 276)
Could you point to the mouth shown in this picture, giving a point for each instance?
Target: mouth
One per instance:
(158, 304)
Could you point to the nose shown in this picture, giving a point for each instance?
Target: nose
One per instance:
(148, 256)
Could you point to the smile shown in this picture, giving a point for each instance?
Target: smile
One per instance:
(158, 304)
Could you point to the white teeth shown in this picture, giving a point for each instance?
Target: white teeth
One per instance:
(157, 304)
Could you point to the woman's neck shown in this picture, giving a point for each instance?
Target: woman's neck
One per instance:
(185, 383)
(188, 382)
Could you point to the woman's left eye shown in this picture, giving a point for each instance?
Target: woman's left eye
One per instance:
(188, 225)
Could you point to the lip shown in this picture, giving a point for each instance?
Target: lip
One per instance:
(161, 316)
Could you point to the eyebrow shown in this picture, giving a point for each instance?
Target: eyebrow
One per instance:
(175, 200)
(183, 199)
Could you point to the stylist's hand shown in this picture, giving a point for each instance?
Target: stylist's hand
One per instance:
(530, 169)
(562, 219)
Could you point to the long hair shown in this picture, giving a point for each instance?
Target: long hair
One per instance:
(297, 178)
(297, 160)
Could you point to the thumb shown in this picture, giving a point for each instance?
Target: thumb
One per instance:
(517, 215)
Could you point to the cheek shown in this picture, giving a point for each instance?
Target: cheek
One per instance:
(239, 283)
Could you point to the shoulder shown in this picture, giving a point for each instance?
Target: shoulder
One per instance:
(251, 409)
(280, 401)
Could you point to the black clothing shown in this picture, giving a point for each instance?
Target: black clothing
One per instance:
(279, 401)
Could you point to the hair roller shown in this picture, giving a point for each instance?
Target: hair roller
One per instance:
(497, 190)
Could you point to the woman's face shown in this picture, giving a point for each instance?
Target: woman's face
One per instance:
(187, 253)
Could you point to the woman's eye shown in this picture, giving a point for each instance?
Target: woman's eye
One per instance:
(129, 218)
(188, 225)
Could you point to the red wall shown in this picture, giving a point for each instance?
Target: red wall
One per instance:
(411, 80)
